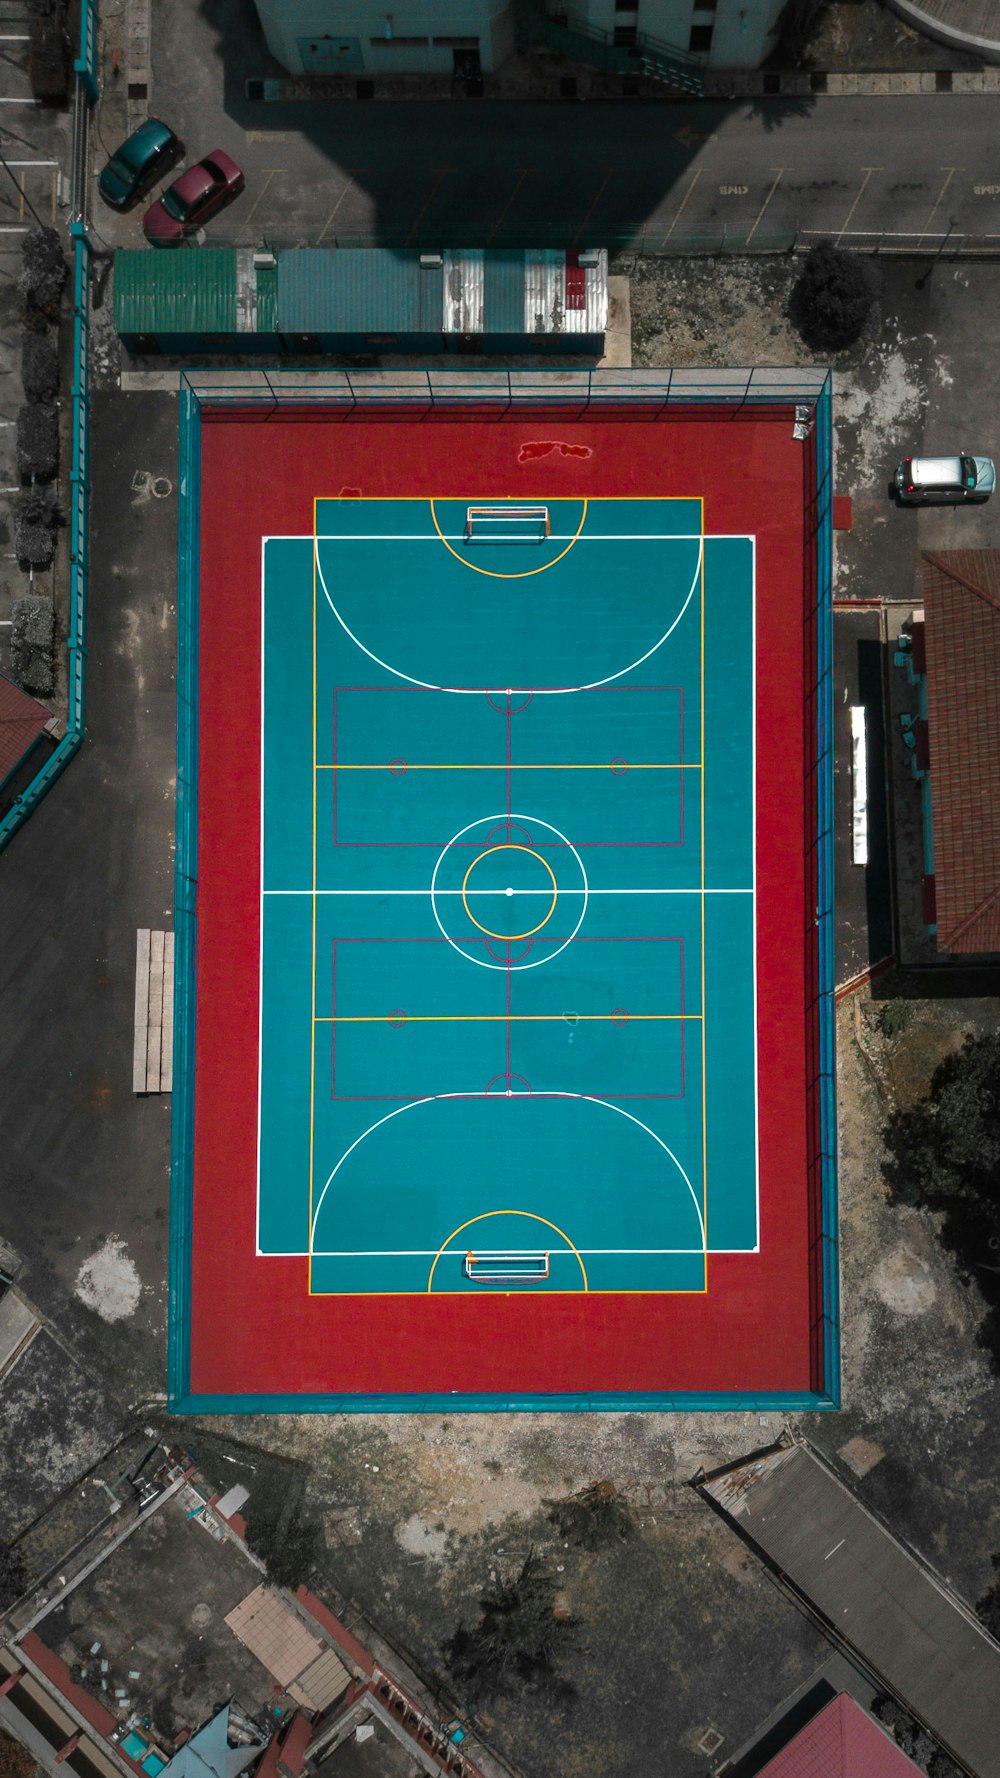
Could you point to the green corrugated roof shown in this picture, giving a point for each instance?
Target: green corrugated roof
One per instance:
(181, 291)
(358, 290)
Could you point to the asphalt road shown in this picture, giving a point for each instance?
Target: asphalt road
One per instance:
(619, 173)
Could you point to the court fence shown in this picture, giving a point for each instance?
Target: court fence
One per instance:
(85, 68)
(493, 393)
(807, 393)
(657, 243)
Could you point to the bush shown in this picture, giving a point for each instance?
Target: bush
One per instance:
(36, 519)
(13, 1578)
(31, 638)
(43, 271)
(597, 1516)
(39, 368)
(834, 296)
(797, 25)
(516, 1641)
(38, 442)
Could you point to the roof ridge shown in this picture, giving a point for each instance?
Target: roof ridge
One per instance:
(940, 562)
(976, 914)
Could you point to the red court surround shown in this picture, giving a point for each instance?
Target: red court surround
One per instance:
(254, 1328)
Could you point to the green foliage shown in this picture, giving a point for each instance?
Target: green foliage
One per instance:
(43, 271)
(834, 296)
(39, 368)
(944, 1155)
(594, 1517)
(38, 441)
(37, 516)
(13, 1578)
(31, 638)
(288, 1541)
(517, 1639)
(893, 1017)
(911, 1739)
(797, 25)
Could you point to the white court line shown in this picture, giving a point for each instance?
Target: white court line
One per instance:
(425, 537)
(430, 1253)
(585, 1098)
(536, 691)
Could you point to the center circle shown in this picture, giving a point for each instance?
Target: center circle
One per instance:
(490, 852)
(529, 839)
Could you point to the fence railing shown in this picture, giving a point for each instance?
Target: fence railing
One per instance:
(495, 391)
(76, 645)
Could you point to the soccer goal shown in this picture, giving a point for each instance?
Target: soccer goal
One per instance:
(507, 524)
(506, 1268)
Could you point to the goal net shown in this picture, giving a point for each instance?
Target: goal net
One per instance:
(506, 524)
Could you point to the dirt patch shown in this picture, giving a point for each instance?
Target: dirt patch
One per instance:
(108, 1282)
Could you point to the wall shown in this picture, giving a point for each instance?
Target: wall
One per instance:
(331, 37)
(742, 31)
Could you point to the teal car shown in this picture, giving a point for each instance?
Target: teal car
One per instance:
(150, 152)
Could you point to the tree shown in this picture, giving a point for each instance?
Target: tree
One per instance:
(43, 271)
(31, 638)
(39, 368)
(36, 518)
(517, 1639)
(596, 1516)
(38, 441)
(288, 1542)
(797, 24)
(944, 1155)
(834, 296)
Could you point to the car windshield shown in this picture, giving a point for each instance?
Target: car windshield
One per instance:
(175, 206)
(969, 471)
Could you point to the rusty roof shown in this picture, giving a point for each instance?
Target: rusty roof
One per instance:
(962, 618)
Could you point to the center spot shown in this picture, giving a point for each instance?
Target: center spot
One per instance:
(508, 890)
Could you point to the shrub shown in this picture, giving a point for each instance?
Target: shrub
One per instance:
(38, 442)
(43, 271)
(834, 296)
(36, 518)
(31, 638)
(598, 1515)
(39, 368)
(797, 25)
(517, 1638)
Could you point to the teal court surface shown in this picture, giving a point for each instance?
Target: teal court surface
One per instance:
(508, 938)
(504, 1066)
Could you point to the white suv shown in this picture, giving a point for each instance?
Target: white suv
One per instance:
(944, 479)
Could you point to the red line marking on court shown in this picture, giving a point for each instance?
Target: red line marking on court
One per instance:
(619, 1016)
(396, 1018)
(508, 791)
(619, 767)
(333, 1026)
(335, 775)
(508, 1077)
(397, 767)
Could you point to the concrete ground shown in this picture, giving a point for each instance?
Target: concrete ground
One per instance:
(157, 1605)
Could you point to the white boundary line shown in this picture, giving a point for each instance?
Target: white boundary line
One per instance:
(618, 537)
(549, 692)
(502, 1098)
(375, 893)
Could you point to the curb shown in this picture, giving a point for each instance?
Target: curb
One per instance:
(588, 85)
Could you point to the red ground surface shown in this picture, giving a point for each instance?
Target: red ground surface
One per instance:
(254, 1328)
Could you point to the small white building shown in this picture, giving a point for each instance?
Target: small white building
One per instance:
(468, 37)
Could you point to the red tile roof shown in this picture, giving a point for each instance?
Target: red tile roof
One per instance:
(21, 722)
(841, 1742)
(962, 607)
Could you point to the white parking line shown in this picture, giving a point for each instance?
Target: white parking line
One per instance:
(767, 200)
(680, 209)
(950, 171)
(867, 171)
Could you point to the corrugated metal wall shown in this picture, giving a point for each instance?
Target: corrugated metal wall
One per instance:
(177, 292)
(357, 291)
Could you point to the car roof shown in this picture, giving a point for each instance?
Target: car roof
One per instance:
(936, 469)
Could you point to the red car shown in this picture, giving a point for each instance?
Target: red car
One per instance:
(198, 194)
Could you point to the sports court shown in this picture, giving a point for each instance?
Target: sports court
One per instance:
(502, 1004)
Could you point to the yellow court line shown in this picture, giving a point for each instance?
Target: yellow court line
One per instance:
(500, 1018)
(510, 937)
(603, 765)
(484, 1216)
(525, 573)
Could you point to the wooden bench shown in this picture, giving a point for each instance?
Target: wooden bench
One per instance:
(153, 1052)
